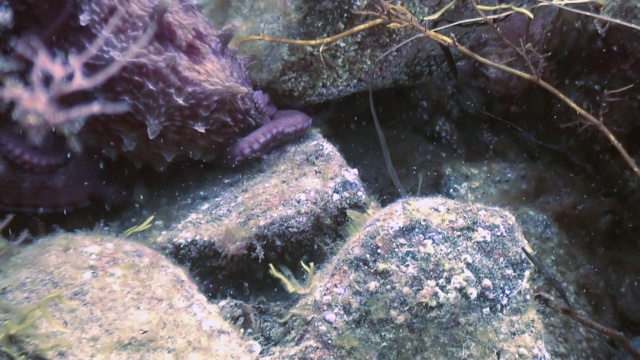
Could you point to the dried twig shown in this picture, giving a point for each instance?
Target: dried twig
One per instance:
(315, 42)
(6, 221)
(560, 5)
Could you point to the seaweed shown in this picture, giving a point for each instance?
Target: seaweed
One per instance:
(289, 281)
(18, 336)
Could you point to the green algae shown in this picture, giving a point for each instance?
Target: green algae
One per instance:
(18, 335)
(138, 228)
(290, 283)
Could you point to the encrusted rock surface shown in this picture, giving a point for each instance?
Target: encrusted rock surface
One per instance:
(313, 74)
(540, 205)
(425, 278)
(122, 300)
(291, 206)
(421, 278)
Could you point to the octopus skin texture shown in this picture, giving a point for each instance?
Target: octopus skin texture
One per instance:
(284, 125)
(148, 81)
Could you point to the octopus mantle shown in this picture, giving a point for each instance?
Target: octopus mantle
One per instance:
(150, 81)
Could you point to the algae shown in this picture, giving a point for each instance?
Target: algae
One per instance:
(19, 337)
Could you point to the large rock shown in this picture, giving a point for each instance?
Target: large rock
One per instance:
(304, 74)
(108, 298)
(425, 278)
(291, 206)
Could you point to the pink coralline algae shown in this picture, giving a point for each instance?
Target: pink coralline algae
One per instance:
(149, 81)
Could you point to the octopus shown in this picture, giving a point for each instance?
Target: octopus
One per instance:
(88, 81)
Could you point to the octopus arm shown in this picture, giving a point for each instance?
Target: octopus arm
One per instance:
(284, 125)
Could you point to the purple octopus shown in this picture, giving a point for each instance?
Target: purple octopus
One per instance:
(82, 81)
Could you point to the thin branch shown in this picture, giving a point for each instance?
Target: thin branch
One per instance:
(554, 282)
(601, 17)
(547, 300)
(315, 42)
(472, 20)
(497, 30)
(6, 221)
(383, 143)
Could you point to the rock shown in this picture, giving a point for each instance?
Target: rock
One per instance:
(112, 299)
(424, 278)
(304, 74)
(543, 199)
(291, 206)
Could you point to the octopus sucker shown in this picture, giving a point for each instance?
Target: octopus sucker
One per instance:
(284, 126)
(128, 60)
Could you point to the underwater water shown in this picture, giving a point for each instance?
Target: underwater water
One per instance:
(182, 179)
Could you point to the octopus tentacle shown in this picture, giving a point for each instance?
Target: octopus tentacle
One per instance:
(66, 187)
(50, 155)
(48, 178)
(263, 103)
(284, 125)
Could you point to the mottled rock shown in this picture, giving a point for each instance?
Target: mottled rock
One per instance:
(122, 300)
(425, 278)
(305, 74)
(291, 206)
(492, 182)
(302, 74)
(544, 199)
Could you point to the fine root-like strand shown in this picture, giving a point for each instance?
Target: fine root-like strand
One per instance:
(548, 301)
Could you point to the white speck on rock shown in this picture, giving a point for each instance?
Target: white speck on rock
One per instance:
(329, 317)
